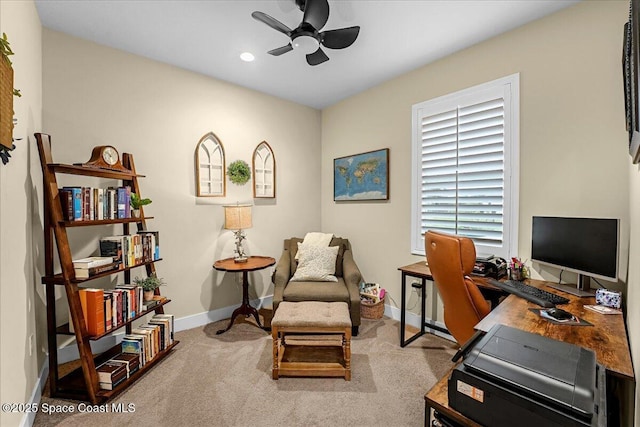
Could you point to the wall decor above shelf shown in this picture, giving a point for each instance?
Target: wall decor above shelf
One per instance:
(210, 167)
(264, 171)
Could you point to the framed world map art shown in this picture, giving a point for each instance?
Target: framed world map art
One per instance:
(362, 176)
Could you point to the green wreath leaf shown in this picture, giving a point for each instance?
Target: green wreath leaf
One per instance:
(239, 172)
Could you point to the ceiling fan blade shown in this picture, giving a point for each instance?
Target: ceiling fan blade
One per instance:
(272, 22)
(316, 13)
(341, 38)
(279, 51)
(317, 57)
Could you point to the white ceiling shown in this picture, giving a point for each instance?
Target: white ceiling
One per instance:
(207, 37)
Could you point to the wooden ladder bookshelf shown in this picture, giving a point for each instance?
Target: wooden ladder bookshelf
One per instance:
(82, 383)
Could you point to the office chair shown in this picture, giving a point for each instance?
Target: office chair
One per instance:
(451, 259)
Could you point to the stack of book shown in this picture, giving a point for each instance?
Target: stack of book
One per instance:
(148, 340)
(110, 374)
(87, 267)
(117, 369)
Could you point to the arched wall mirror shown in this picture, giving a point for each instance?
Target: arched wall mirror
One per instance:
(264, 171)
(210, 167)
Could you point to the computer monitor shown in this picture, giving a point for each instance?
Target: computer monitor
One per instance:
(587, 246)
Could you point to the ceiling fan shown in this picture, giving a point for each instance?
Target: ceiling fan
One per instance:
(307, 36)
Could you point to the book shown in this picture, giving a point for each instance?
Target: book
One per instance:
(131, 361)
(164, 331)
(85, 273)
(113, 246)
(148, 305)
(77, 202)
(110, 374)
(108, 314)
(86, 203)
(134, 344)
(95, 310)
(93, 261)
(154, 244)
(148, 345)
(66, 201)
(100, 203)
(170, 319)
(122, 202)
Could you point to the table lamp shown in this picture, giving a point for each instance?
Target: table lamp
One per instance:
(238, 217)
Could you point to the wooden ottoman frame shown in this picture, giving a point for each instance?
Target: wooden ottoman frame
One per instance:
(311, 339)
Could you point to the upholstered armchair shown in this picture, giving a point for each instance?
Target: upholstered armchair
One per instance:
(346, 288)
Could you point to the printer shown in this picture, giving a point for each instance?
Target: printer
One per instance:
(512, 377)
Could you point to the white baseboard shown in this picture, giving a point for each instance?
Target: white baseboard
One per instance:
(201, 319)
(36, 394)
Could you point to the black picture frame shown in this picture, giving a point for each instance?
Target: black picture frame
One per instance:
(630, 71)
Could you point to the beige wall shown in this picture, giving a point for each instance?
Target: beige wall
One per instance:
(22, 330)
(572, 141)
(96, 95)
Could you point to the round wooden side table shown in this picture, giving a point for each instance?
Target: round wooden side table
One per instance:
(253, 263)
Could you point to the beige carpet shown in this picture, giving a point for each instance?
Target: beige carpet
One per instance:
(225, 380)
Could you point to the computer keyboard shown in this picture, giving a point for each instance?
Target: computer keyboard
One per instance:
(530, 293)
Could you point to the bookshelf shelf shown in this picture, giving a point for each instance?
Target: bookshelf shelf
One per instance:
(104, 222)
(82, 383)
(64, 329)
(59, 279)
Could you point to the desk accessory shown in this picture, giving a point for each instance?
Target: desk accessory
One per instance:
(574, 321)
(609, 298)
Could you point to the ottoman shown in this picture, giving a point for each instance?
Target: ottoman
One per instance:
(311, 339)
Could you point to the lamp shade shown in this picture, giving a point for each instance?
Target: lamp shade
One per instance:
(237, 217)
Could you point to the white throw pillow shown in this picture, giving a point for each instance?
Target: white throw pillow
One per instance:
(316, 264)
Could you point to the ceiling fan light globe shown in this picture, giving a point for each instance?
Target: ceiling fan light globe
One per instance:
(305, 44)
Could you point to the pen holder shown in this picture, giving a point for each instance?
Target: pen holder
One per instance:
(516, 274)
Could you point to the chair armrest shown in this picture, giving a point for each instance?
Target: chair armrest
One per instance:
(350, 271)
(352, 278)
(281, 277)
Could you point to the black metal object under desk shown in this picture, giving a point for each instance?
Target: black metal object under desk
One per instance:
(418, 270)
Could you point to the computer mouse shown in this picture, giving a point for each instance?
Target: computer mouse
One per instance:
(560, 314)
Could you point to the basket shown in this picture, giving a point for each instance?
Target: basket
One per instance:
(372, 311)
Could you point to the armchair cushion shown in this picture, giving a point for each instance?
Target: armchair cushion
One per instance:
(316, 264)
(312, 291)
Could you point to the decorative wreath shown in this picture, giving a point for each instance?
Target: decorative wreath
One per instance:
(239, 172)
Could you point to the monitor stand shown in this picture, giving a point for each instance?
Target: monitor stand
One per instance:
(582, 289)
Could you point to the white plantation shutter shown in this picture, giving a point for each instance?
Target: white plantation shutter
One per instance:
(463, 148)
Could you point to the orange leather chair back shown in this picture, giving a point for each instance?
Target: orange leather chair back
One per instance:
(451, 259)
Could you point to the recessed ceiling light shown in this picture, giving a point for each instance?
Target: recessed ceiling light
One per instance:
(247, 56)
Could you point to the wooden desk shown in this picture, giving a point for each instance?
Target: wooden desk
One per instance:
(607, 338)
(421, 271)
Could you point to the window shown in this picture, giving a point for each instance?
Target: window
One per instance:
(465, 167)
